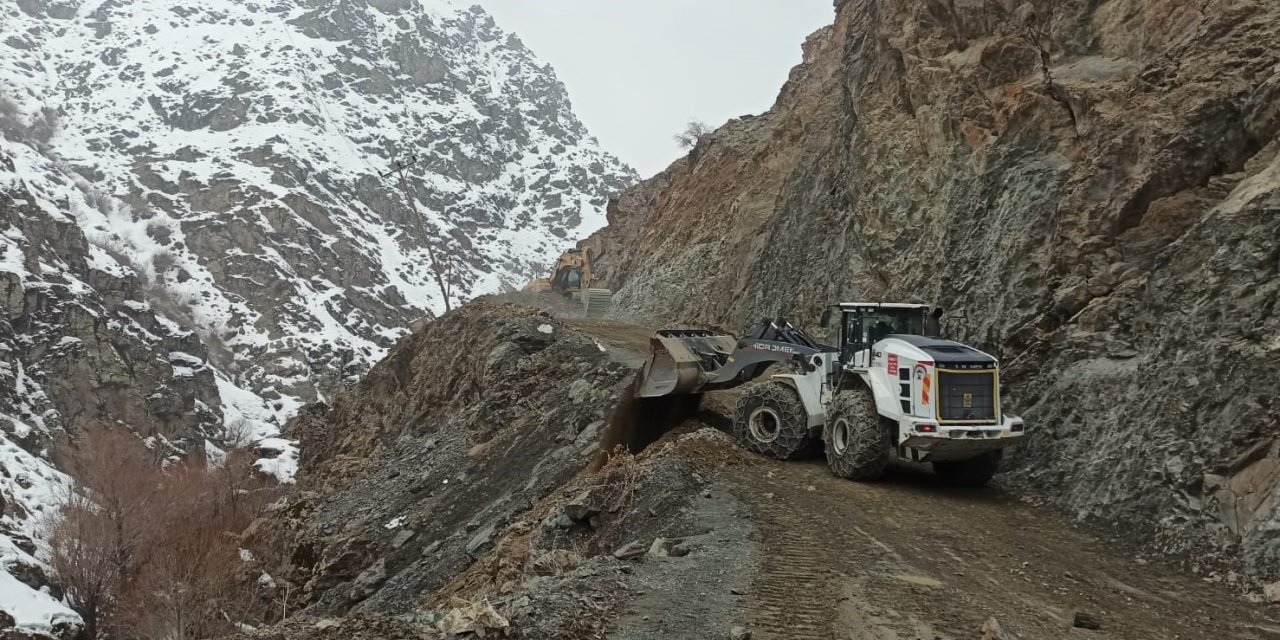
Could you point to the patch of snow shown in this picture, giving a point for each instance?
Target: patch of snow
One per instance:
(547, 329)
(32, 610)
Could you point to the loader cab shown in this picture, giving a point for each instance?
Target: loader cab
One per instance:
(864, 324)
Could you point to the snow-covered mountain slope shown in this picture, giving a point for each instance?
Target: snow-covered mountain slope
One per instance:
(200, 232)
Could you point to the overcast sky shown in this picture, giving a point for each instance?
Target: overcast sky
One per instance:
(638, 71)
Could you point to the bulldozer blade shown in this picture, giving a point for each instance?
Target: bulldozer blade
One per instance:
(597, 301)
(682, 361)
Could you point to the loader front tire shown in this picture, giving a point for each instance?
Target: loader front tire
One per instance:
(974, 472)
(770, 420)
(858, 442)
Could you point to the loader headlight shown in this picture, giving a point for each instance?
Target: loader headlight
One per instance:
(1017, 427)
(927, 428)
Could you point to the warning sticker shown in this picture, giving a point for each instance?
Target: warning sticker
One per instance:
(893, 364)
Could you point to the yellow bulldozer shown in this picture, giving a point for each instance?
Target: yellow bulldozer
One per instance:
(573, 276)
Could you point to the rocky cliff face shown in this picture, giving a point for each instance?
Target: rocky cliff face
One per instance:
(81, 347)
(198, 234)
(1091, 188)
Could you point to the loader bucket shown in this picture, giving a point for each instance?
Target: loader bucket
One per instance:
(682, 361)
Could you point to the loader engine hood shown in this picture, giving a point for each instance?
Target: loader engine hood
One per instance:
(947, 352)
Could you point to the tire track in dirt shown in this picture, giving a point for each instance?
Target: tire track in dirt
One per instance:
(809, 565)
(907, 558)
(784, 601)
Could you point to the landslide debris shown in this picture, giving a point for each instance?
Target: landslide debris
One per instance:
(459, 488)
(420, 468)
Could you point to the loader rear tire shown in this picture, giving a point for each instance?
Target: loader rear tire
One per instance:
(770, 420)
(858, 441)
(974, 472)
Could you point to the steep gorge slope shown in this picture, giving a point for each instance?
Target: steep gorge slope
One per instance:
(1092, 189)
(197, 236)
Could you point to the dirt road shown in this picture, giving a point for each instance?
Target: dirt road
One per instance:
(908, 557)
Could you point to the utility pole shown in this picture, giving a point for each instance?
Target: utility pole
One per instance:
(438, 269)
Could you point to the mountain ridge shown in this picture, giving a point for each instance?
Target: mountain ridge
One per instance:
(205, 232)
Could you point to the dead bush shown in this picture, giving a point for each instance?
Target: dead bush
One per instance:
(38, 131)
(11, 124)
(619, 478)
(162, 261)
(151, 552)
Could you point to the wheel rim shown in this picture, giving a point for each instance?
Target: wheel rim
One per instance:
(840, 435)
(765, 425)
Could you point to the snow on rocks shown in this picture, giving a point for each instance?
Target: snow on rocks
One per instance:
(191, 208)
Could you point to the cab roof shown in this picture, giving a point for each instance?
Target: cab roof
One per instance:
(886, 305)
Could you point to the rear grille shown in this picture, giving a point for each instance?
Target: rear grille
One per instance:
(966, 396)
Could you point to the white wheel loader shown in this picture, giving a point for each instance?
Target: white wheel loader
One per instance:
(891, 389)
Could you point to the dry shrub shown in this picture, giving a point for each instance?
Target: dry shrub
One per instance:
(162, 261)
(145, 551)
(694, 132)
(619, 478)
(38, 131)
(11, 124)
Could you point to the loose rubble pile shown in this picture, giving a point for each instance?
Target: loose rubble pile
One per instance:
(462, 468)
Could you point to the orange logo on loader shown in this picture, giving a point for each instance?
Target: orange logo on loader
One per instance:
(924, 390)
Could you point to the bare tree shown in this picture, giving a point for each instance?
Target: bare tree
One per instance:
(693, 133)
(152, 553)
(100, 531)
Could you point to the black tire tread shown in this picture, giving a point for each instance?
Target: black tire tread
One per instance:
(793, 435)
(870, 441)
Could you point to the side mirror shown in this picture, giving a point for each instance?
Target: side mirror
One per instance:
(937, 313)
(825, 321)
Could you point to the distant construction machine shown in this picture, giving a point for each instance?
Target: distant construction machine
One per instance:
(891, 390)
(573, 276)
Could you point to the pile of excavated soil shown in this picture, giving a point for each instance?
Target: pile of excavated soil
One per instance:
(598, 550)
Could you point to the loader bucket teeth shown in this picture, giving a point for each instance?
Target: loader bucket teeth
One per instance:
(682, 361)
